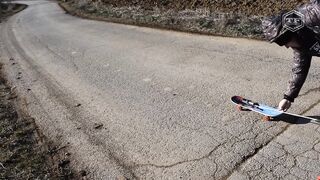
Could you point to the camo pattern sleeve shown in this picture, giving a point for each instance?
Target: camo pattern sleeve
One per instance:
(311, 12)
(301, 66)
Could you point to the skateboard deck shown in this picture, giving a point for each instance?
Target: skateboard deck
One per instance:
(271, 112)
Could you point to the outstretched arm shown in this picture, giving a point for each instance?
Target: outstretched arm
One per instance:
(299, 74)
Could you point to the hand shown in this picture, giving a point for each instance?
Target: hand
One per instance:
(284, 105)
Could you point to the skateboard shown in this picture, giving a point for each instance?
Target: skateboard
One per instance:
(270, 113)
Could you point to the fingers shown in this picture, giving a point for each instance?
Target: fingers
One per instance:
(284, 105)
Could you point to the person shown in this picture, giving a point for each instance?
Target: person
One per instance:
(304, 41)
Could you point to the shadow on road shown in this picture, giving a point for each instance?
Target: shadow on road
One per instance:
(293, 119)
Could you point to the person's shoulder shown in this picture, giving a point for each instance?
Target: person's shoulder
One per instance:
(310, 12)
(314, 1)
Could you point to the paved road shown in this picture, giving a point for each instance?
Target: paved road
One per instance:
(143, 103)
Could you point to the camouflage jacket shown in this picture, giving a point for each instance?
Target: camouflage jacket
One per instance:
(302, 58)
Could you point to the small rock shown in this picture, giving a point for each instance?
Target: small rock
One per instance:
(167, 89)
(63, 163)
(13, 88)
(83, 173)
(2, 166)
(12, 97)
(78, 105)
(14, 63)
(121, 178)
(98, 126)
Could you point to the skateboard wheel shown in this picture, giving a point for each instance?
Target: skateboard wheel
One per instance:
(240, 108)
(266, 118)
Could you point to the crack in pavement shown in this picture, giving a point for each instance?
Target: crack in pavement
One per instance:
(285, 162)
(211, 152)
(238, 140)
(181, 162)
(187, 161)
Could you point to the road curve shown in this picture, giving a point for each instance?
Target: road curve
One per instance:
(143, 103)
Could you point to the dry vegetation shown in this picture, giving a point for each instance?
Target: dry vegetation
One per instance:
(217, 17)
(249, 7)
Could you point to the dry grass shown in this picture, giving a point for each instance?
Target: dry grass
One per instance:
(214, 17)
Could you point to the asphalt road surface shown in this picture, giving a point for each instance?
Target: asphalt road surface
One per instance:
(152, 104)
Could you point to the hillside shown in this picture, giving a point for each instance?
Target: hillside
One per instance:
(215, 17)
(249, 7)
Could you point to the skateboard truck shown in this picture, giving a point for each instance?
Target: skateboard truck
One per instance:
(240, 108)
(250, 103)
(264, 118)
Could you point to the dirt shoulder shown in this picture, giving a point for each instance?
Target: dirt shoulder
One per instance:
(25, 152)
(7, 10)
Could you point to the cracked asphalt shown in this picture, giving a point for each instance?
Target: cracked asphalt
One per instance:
(161, 99)
(295, 154)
